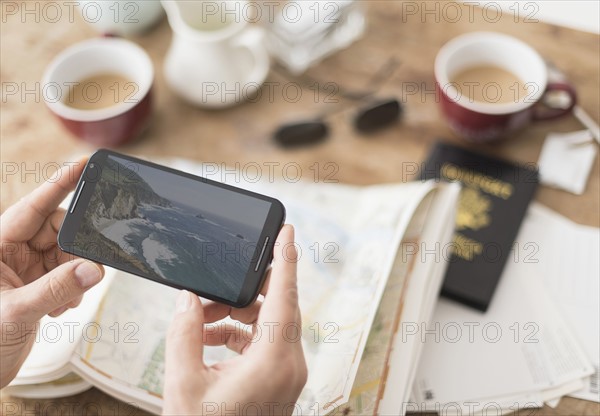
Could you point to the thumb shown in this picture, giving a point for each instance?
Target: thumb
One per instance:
(281, 300)
(58, 287)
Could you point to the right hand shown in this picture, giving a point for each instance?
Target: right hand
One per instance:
(270, 372)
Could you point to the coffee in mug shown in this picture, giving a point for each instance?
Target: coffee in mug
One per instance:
(99, 91)
(490, 84)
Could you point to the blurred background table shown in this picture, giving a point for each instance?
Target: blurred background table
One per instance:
(33, 138)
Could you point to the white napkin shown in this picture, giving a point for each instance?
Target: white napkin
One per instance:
(566, 160)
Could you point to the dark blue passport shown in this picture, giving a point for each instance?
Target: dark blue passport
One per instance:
(493, 202)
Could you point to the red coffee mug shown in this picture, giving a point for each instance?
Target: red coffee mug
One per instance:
(480, 121)
(132, 109)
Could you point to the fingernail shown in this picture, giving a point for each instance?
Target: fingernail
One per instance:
(183, 301)
(87, 274)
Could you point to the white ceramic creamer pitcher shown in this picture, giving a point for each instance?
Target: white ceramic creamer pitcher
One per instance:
(216, 59)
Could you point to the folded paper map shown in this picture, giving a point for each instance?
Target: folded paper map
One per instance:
(350, 241)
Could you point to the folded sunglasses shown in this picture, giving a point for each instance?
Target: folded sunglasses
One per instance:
(373, 116)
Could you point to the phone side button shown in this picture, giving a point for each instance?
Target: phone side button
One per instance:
(76, 199)
(262, 253)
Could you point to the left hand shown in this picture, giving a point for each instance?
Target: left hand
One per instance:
(36, 277)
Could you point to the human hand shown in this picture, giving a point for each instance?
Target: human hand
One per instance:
(270, 372)
(36, 277)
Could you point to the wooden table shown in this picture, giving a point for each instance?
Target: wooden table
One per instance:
(32, 138)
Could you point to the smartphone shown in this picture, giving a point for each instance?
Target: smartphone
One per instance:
(171, 227)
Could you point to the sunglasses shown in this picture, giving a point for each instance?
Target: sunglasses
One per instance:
(368, 119)
(374, 116)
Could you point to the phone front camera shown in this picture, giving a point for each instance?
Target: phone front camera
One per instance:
(92, 172)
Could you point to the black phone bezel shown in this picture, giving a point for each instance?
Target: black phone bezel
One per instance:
(255, 275)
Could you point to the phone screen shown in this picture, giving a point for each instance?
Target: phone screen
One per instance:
(165, 226)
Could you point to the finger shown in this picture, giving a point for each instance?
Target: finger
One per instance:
(47, 239)
(281, 300)
(184, 347)
(24, 219)
(53, 257)
(265, 288)
(73, 304)
(233, 337)
(46, 235)
(215, 311)
(57, 288)
(247, 315)
(44, 246)
(184, 366)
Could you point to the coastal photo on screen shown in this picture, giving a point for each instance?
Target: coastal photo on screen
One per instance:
(165, 226)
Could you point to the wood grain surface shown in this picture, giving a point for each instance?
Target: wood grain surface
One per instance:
(34, 141)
